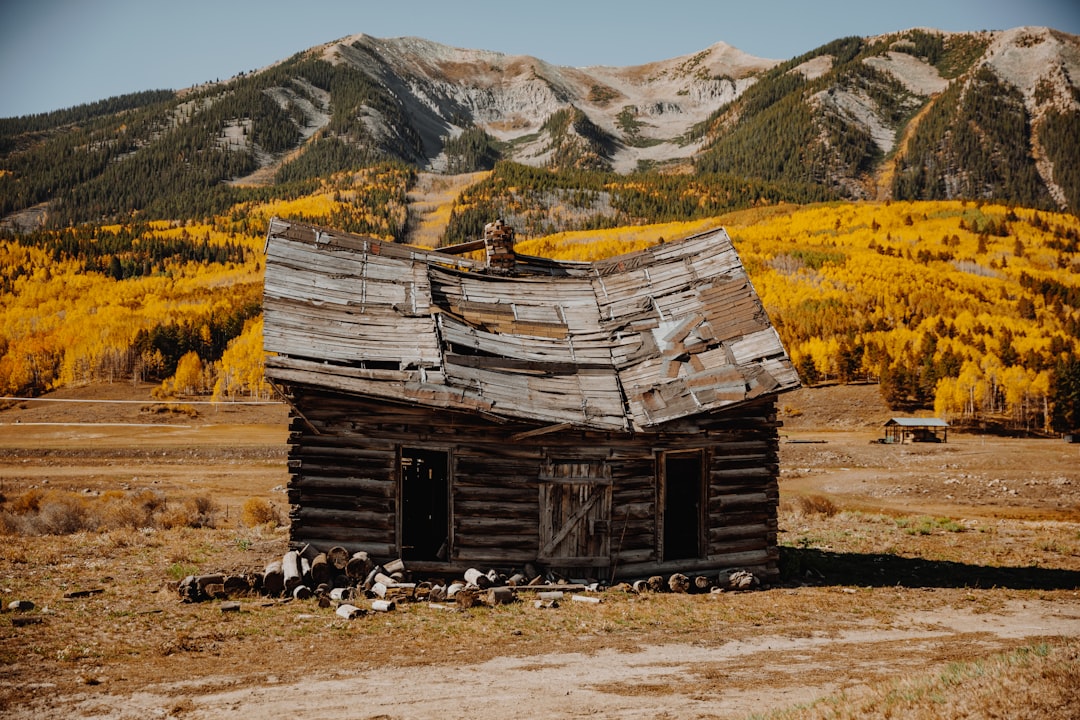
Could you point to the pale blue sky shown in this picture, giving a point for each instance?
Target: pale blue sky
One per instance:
(59, 53)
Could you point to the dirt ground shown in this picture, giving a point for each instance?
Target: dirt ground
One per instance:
(899, 561)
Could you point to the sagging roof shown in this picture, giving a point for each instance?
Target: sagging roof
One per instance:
(623, 344)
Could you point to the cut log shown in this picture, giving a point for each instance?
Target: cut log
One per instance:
(203, 581)
(320, 570)
(349, 611)
(499, 596)
(477, 578)
(466, 598)
(305, 569)
(338, 557)
(301, 592)
(703, 583)
(394, 566)
(273, 579)
(341, 593)
(290, 567)
(236, 585)
(382, 605)
(679, 583)
(655, 584)
(359, 565)
(370, 579)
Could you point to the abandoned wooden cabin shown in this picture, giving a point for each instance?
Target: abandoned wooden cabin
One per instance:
(614, 419)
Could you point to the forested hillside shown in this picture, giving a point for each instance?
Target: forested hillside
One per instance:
(969, 310)
(916, 115)
(912, 115)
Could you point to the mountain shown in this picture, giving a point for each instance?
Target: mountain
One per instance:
(910, 115)
(915, 115)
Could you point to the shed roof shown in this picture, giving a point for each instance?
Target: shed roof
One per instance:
(917, 422)
(626, 343)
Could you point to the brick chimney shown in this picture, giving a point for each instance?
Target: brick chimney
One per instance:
(499, 245)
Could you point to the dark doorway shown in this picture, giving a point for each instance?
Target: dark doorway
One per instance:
(682, 506)
(425, 504)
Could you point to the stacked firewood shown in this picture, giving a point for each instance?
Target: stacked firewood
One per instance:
(342, 579)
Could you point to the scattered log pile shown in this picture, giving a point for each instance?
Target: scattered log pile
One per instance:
(337, 578)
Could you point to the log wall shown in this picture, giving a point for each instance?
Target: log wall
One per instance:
(344, 483)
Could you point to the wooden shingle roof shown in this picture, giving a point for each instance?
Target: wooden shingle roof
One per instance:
(623, 344)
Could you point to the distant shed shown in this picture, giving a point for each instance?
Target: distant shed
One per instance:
(904, 430)
(615, 417)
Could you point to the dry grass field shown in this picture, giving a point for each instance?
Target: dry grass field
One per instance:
(919, 581)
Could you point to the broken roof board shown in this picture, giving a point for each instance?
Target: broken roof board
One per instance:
(626, 343)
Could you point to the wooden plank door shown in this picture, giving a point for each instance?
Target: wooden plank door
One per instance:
(575, 514)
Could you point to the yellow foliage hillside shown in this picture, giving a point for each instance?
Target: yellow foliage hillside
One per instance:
(969, 309)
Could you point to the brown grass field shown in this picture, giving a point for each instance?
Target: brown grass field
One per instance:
(936, 581)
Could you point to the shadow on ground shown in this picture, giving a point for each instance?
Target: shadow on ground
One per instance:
(822, 567)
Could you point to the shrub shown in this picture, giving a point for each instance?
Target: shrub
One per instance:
(816, 505)
(58, 512)
(28, 502)
(194, 512)
(64, 514)
(259, 511)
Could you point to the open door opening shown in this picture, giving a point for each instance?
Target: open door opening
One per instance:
(683, 494)
(425, 504)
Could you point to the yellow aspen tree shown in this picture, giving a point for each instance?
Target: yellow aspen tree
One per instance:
(188, 379)
(1041, 388)
(1016, 385)
(948, 400)
(241, 367)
